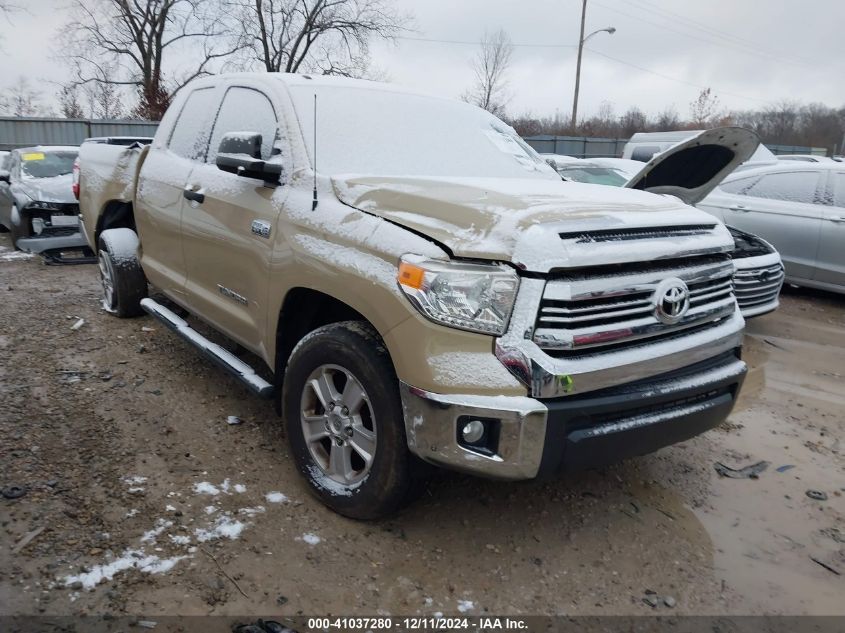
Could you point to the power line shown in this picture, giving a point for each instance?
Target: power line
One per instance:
(691, 23)
(675, 79)
(478, 43)
(708, 40)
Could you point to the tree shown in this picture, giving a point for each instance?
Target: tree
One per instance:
(490, 66)
(21, 99)
(705, 109)
(141, 44)
(324, 36)
(69, 104)
(634, 120)
(668, 120)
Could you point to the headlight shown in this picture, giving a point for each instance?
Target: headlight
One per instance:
(475, 297)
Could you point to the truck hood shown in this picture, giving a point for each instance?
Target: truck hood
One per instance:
(536, 224)
(694, 167)
(55, 189)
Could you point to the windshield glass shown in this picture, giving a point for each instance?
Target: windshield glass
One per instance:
(594, 175)
(371, 130)
(46, 164)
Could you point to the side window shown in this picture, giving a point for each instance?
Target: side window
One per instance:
(838, 188)
(738, 186)
(245, 110)
(644, 153)
(189, 138)
(795, 186)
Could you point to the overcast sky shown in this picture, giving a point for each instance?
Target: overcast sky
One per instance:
(750, 52)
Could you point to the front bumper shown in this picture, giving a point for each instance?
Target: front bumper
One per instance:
(41, 244)
(541, 438)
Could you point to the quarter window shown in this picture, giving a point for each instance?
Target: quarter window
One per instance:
(189, 138)
(245, 110)
(796, 186)
(737, 186)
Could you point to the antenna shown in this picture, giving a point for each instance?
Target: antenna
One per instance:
(314, 201)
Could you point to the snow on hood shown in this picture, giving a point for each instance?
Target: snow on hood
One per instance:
(53, 189)
(520, 220)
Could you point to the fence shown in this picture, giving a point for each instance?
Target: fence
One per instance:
(577, 146)
(23, 132)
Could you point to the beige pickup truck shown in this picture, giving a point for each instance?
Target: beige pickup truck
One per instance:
(420, 284)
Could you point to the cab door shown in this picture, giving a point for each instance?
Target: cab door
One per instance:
(229, 224)
(160, 196)
(830, 267)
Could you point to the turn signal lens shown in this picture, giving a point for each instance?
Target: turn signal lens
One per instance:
(411, 275)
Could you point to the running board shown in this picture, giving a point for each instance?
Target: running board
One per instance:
(212, 351)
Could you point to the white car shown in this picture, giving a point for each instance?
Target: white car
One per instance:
(806, 158)
(799, 208)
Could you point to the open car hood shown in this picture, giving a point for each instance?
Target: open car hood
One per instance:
(693, 168)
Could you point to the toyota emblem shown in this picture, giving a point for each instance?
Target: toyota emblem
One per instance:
(671, 300)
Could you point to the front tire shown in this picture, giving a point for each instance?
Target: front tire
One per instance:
(124, 284)
(344, 421)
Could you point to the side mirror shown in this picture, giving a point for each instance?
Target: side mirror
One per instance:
(5, 176)
(240, 153)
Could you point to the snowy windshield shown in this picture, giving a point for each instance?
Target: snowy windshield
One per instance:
(44, 164)
(363, 130)
(594, 175)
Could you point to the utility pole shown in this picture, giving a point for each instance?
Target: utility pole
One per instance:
(581, 41)
(578, 65)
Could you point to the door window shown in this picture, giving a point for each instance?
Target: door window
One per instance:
(189, 138)
(796, 186)
(839, 188)
(245, 110)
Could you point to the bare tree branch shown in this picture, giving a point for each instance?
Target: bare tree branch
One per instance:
(490, 66)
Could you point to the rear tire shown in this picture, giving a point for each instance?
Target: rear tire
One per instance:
(124, 284)
(355, 458)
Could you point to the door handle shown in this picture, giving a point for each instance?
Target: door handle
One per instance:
(738, 207)
(194, 196)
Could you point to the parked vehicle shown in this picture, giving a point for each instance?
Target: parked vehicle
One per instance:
(36, 202)
(759, 272)
(446, 300)
(642, 146)
(799, 208)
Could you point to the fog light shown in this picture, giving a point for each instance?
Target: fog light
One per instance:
(473, 431)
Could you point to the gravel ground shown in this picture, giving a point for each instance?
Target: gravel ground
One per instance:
(141, 499)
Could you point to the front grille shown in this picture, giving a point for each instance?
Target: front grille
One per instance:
(757, 286)
(58, 231)
(586, 315)
(615, 235)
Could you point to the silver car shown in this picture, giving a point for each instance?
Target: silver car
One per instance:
(799, 208)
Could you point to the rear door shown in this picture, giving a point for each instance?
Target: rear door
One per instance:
(782, 208)
(831, 258)
(228, 236)
(160, 198)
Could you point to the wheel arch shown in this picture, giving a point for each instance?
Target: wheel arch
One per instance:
(116, 214)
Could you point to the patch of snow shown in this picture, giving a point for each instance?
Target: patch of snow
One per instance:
(276, 497)
(210, 509)
(206, 488)
(134, 480)
(179, 539)
(251, 512)
(130, 559)
(131, 513)
(311, 539)
(240, 488)
(151, 535)
(224, 527)
(170, 508)
(465, 605)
